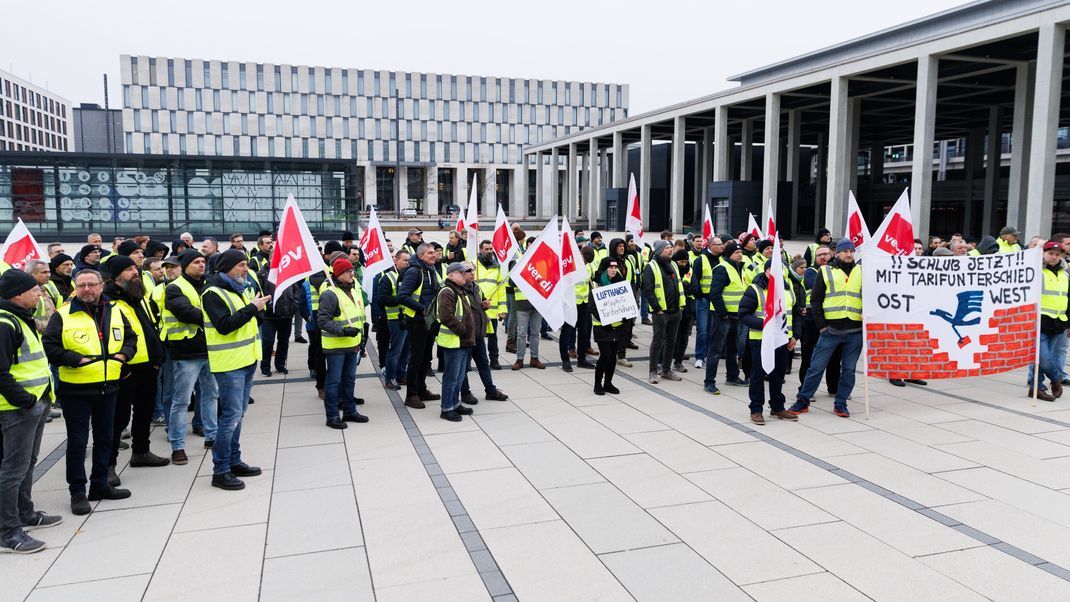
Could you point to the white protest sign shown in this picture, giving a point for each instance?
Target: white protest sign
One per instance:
(615, 302)
(950, 317)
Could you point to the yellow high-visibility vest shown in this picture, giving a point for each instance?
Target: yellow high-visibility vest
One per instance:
(843, 294)
(30, 368)
(238, 349)
(81, 336)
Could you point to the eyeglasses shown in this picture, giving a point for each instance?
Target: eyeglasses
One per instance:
(469, 271)
(89, 285)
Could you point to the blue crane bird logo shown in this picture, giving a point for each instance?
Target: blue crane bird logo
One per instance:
(969, 303)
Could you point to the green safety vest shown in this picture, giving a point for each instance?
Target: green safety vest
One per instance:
(706, 280)
(30, 368)
(809, 290)
(1053, 299)
(142, 354)
(1006, 247)
(489, 281)
(80, 335)
(789, 302)
(238, 349)
(175, 329)
(843, 295)
(659, 288)
(350, 314)
(447, 339)
(390, 278)
(733, 291)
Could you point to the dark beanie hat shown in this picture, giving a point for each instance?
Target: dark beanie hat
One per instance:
(764, 244)
(331, 246)
(59, 260)
(86, 250)
(730, 247)
(680, 256)
(186, 257)
(127, 247)
(347, 235)
(15, 282)
(228, 259)
(117, 265)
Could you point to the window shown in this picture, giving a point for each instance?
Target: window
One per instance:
(244, 124)
(260, 129)
(293, 78)
(320, 105)
(170, 72)
(144, 98)
(453, 88)
(226, 75)
(200, 145)
(259, 77)
(304, 104)
(312, 128)
(360, 83)
(345, 128)
(200, 101)
(226, 124)
(216, 104)
(174, 121)
(278, 80)
(189, 74)
(126, 97)
(327, 81)
(181, 144)
(393, 84)
(233, 100)
(330, 128)
(408, 85)
(156, 121)
(189, 122)
(482, 88)
(243, 81)
(345, 81)
(270, 102)
(218, 145)
(207, 84)
(181, 100)
(288, 147)
(360, 128)
(423, 86)
(304, 147)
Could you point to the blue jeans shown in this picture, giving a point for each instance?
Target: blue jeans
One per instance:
(702, 316)
(479, 354)
(188, 372)
(397, 360)
(851, 348)
(165, 390)
(722, 345)
(455, 362)
(1049, 353)
(1060, 355)
(341, 380)
(22, 429)
(234, 389)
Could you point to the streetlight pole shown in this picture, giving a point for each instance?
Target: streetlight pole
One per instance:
(397, 151)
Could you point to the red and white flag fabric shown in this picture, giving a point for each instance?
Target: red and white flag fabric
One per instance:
(707, 223)
(377, 257)
(895, 235)
(19, 247)
(471, 223)
(775, 327)
(857, 231)
(502, 238)
(538, 275)
(459, 226)
(295, 255)
(770, 223)
(752, 227)
(633, 223)
(573, 270)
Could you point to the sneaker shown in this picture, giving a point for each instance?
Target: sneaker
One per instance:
(414, 401)
(712, 389)
(494, 365)
(757, 419)
(786, 415)
(110, 493)
(737, 382)
(178, 458)
(209, 444)
(40, 520)
(624, 363)
(451, 415)
(609, 388)
(18, 542)
(227, 481)
(497, 395)
(566, 366)
(800, 406)
(159, 421)
(336, 423)
(126, 434)
(585, 364)
(80, 505)
(392, 385)
(679, 367)
(463, 411)
(699, 363)
(113, 477)
(653, 378)
(149, 459)
(670, 375)
(241, 469)
(840, 410)
(301, 340)
(355, 417)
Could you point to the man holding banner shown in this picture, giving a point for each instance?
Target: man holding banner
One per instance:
(1054, 321)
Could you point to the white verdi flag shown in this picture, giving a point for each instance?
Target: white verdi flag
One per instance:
(505, 247)
(633, 223)
(752, 227)
(707, 223)
(295, 255)
(857, 231)
(895, 235)
(19, 247)
(471, 224)
(770, 222)
(775, 327)
(376, 253)
(573, 271)
(537, 274)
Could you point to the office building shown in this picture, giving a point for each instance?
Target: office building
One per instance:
(97, 130)
(31, 117)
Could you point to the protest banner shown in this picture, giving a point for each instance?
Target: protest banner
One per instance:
(615, 302)
(950, 317)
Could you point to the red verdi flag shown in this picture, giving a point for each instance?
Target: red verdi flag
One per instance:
(633, 223)
(752, 227)
(538, 275)
(770, 223)
(707, 223)
(472, 224)
(19, 247)
(295, 255)
(502, 239)
(857, 232)
(376, 254)
(895, 236)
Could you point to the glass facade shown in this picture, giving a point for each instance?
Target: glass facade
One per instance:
(61, 195)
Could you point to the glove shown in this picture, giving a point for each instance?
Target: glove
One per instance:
(350, 331)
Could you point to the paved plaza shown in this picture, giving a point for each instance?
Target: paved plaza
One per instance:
(955, 491)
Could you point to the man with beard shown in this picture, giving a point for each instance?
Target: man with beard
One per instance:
(169, 269)
(137, 387)
(59, 283)
(664, 292)
(454, 250)
(260, 257)
(413, 240)
(129, 248)
(396, 362)
(418, 287)
(823, 239)
(90, 340)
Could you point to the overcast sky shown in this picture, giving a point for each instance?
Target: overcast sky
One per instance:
(667, 50)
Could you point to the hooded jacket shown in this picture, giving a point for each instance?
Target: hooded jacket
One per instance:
(418, 272)
(988, 246)
(622, 264)
(467, 324)
(668, 281)
(148, 327)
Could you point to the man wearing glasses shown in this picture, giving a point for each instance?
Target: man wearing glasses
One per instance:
(702, 273)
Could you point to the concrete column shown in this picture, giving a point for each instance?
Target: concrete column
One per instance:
(370, 189)
(676, 189)
(591, 187)
(745, 155)
(644, 184)
(706, 169)
(770, 154)
(540, 189)
(974, 164)
(792, 172)
(518, 193)
(838, 151)
(696, 188)
(993, 158)
(723, 150)
(572, 203)
(555, 185)
(403, 189)
(921, 172)
(431, 199)
(1047, 94)
(620, 161)
(821, 189)
(1020, 131)
(854, 121)
(489, 192)
(460, 188)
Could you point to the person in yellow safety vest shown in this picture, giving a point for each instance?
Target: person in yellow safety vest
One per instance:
(153, 267)
(702, 275)
(232, 337)
(4, 267)
(600, 249)
(60, 284)
(417, 290)
(836, 302)
(396, 364)
(726, 289)
(89, 259)
(25, 396)
(1008, 240)
(606, 336)
(491, 279)
(137, 389)
(752, 316)
(482, 308)
(823, 239)
(91, 341)
(169, 269)
(1054, 322)
(317, 363)
(183, 321)
(663, 290)
(341, 323)
(46, 303)
(567, 342)
(683, 260)
(809, 332)
(458, 323)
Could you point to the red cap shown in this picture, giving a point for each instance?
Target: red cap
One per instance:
(1051, 245)
(340, 266)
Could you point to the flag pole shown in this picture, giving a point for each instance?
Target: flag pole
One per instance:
(1036, 358)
